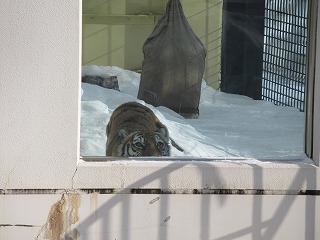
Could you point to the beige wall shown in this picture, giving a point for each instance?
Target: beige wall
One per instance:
(117, 45)
(121, 45)
(205, 18)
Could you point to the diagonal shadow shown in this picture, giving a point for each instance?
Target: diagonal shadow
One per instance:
(259, 229)
(268, 229)
(119, 198)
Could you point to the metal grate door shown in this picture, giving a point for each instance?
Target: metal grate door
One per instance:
(284, 56)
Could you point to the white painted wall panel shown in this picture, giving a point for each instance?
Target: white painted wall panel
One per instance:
(199, 217)
(26, 209)
(18, 233)
(171, 216)
(39, 92)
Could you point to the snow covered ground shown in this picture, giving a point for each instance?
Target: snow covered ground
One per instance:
(228, 126)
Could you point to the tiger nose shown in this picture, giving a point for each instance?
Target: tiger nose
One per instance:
(152, 151)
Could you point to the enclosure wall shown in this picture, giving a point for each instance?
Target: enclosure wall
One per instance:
(114, 31)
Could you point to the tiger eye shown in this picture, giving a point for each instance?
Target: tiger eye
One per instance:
(159, 144)
(138, 145)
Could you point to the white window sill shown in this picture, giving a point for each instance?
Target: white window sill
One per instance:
(245, 176)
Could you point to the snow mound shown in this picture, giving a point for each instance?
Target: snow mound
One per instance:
(229, 125)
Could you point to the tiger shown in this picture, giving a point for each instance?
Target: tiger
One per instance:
(134, 131)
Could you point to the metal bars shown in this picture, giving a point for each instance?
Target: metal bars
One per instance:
(284, 55)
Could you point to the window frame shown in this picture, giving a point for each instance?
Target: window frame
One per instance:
(312, 99)
(233, 175)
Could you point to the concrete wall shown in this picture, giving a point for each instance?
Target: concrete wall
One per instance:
(158, 216)
(48, 192)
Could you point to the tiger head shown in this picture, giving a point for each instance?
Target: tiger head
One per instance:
(141, 143)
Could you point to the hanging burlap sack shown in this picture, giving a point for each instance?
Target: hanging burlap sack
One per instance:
(173, 65)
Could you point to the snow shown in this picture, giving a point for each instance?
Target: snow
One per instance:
(229, 125)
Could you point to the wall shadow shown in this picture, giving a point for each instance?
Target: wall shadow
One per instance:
(259, 229)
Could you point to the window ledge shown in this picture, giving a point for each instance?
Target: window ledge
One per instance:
(293, 176)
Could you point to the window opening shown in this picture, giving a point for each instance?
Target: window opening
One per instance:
(229, 125)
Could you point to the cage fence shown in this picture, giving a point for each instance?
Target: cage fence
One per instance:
(284, 55)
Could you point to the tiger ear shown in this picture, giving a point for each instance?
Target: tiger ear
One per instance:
(164, 131)
(122, 134)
